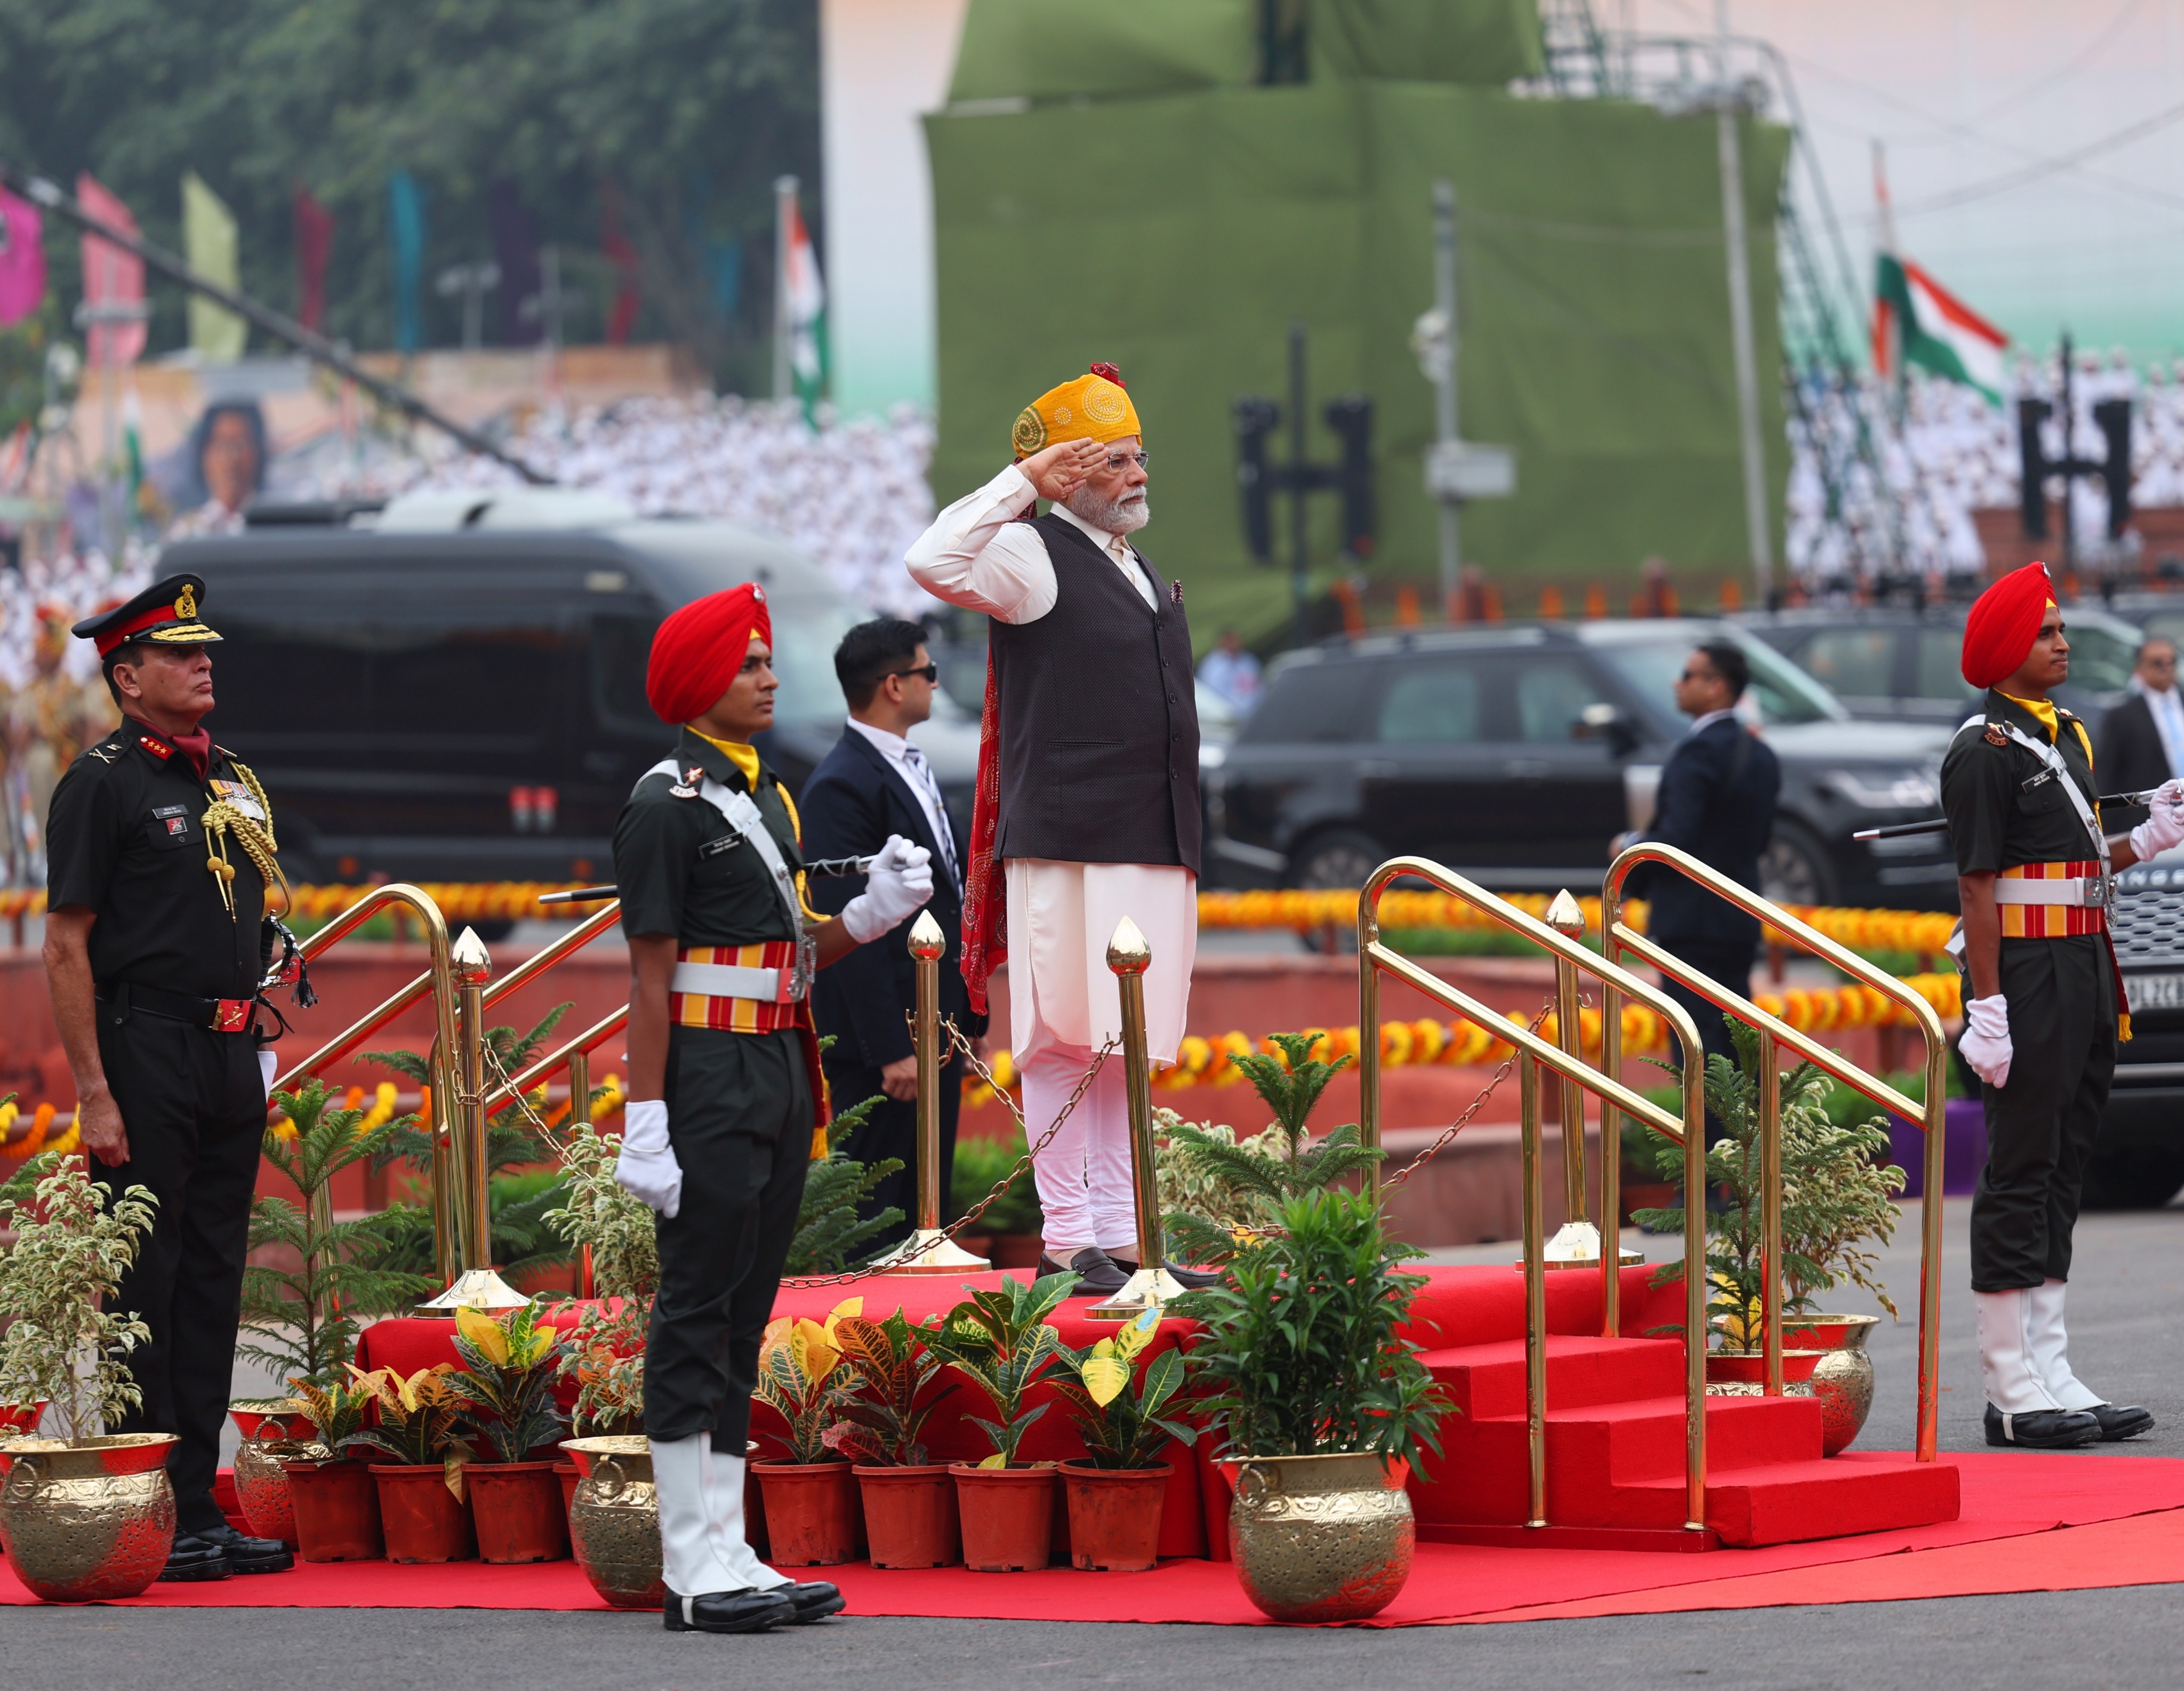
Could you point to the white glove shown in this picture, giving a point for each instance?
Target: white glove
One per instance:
(1986, 1041)
(2163, 830)
(269, 1065)
(647, 1168)
(900, 880)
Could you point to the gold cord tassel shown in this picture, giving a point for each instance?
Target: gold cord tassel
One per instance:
(222, 819)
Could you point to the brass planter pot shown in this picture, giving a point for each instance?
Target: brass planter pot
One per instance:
(88, 1520)
(614, 1522)
(1318, 1539)
(1843, 1381)
(275, 1430)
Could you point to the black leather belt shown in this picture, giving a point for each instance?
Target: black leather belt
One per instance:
(221, 1015)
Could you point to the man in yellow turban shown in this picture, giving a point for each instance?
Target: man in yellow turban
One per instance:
(1087, 807)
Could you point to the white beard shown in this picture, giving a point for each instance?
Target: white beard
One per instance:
(1125, 515)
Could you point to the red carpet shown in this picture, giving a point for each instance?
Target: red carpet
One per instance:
(2122, 1521)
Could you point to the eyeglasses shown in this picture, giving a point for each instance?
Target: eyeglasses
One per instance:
(1119, 461)
(931, 672)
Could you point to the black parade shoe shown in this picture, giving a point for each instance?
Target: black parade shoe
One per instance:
(1098, 1276)
(1188, 1279)
(2045, 1429)
(192, 1559)
(815, 1600)
(747, 1611)
(2121, 1420)
(246, 1554)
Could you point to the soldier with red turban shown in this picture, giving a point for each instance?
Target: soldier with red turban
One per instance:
(727, 1106)
(2042, 1006)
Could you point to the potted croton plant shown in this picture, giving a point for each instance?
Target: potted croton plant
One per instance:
(508, 1380)
(910, 1502)
(1320, 1405)
(1117, 1488)
(1000, 1342)
(811, 1515)
(336, 1503)
(421, 1502)
(85, 1517)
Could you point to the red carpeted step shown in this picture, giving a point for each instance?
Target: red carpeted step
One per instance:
(1789, 1503)
(1489, 1378)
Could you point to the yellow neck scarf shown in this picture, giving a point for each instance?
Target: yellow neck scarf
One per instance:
(2041, 708)
(744, 757)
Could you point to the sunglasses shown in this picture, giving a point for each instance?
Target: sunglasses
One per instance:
(931, 672)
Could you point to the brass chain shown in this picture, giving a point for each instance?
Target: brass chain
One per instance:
(910, 1247)
(1478, 1104)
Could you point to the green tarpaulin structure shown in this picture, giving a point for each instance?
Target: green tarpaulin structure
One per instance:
(1179, 234)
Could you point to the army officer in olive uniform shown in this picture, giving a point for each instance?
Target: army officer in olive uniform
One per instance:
(160, 848)
(726, 1105)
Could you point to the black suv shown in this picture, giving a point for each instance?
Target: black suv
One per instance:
(1516, 752)
(454, 688)
(2138, 1162)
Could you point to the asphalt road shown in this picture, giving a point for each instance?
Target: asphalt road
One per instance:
(2126, 1326)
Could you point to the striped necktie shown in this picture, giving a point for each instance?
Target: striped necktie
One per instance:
(914, 760)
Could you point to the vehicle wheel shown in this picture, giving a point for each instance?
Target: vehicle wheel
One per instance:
(2138, 1176)
(1342, 859)
(1795, 868)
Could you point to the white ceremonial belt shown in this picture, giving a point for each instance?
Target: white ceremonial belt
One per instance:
(2084, 891)
(734, 980)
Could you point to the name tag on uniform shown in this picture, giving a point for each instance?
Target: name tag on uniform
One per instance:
(174, 819)
(239, 796)
(726, 842)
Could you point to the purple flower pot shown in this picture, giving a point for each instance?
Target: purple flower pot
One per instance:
(1963, 1151)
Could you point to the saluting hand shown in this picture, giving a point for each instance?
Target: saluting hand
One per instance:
(1059, 471)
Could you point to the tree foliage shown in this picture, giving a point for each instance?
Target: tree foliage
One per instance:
(689, 108)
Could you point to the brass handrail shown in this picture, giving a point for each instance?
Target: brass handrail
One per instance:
(1617, 937)
(438, 980)
(582, 1046)
(1375, 959)
(573, 1052)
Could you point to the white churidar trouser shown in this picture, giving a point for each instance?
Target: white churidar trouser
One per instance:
(2013, 1382)
(1064, 1003)
(702, 1547)
(2051, 1349)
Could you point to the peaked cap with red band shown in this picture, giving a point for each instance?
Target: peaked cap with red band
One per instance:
(2003, 622)
(699, 649)
(166, 612)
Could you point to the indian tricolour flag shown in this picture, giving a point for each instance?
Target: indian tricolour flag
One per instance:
(803, 308)
(1917, 320)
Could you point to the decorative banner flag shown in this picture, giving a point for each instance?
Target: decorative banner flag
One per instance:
(804, 308)
(217, 335)
(113, 281)
(622, 315)
(314, 243)
(22, 258)
(1916, 321)
(406, 219)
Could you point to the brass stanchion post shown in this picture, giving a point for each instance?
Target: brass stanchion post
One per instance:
(1576, 1243)
(477, 1287)
(1771, 1214)
(1152, 1285)
(934, 1251)
(1535, 1293)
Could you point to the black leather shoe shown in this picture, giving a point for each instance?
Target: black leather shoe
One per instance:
(193, 1559)
(1188, 1279)
(2120, 1420)
(1097, 1269)
(815, 1600)
(2044, 1429)
(246, 1554)
(747, 1611)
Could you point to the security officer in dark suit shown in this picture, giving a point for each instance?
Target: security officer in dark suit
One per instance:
(725, 1093)
(874, 784)
(2133, 752)
(161, 847)
(1716, 802)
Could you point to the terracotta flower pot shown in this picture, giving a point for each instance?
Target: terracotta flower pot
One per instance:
(568, 1473)
(1115, 1515)
(337, 1511)
(423, 1520)
(20, 1421)
(811, 1514)
(910, 1515)
(1007, 1515)
(1843, 1381)
(519, 1511)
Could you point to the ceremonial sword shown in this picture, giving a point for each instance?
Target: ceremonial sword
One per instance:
(1940, 824)
(823, 868)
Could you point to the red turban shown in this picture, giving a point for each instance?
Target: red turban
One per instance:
(699, 649)
(2003, 623)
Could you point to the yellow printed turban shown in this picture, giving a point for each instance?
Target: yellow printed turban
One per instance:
(1093, 407)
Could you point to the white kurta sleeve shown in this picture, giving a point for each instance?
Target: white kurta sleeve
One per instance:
(978, 555)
